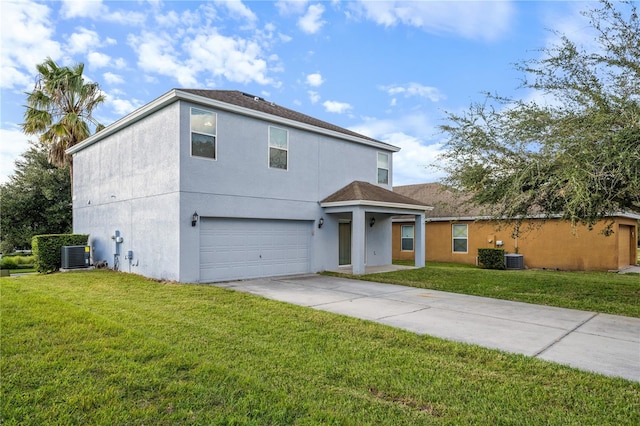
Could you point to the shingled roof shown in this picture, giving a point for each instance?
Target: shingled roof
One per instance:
(256, 103)
(240, 103)
(446, 202)
(365, 191)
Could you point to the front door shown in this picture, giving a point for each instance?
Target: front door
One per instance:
(344, 243)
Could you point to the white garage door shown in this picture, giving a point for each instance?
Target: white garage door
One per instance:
(249, 248)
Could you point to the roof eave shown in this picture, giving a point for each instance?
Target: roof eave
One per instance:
(281, 120)
(177, 94)
(148, 109)
(371, 203)
(626, 215)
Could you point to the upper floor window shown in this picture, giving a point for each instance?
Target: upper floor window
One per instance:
(383, 168)
(460, 238)
(278, 148)
(203, 133)
(407, 238)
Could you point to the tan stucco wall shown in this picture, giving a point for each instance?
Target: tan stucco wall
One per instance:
(552, 244)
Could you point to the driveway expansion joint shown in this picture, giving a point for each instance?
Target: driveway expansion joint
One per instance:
(424, 308)
(559, 339)
(333, 302)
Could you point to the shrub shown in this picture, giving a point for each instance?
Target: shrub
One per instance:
(491, 258)
(47, 249)
(24, 260)
(8, 263)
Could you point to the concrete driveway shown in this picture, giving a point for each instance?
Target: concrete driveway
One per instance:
(602, 343)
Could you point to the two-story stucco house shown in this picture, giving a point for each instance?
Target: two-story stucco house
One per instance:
(213, 185)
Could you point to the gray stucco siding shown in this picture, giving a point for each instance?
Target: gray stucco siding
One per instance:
(130, 182)
(138, 161)
(318, 165)
(378, 249)
(147, 227)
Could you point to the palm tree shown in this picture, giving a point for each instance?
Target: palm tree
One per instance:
(60, 109)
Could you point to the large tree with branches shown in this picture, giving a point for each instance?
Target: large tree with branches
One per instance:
(576, 152)
(35, 200)
(60, 109)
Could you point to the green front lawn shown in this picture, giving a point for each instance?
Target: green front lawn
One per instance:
(605, 292)
(111, 348)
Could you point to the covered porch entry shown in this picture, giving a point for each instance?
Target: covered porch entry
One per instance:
(363, 212)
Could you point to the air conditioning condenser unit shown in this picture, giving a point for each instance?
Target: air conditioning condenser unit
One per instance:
(514, 261)
(75, 257)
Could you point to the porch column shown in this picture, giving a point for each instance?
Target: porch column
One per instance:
(419, 241)
(357, 241)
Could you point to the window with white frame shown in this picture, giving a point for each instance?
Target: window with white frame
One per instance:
(406, 242)
(203, 133)
(460, 238)
(278, 148)
(383, 168)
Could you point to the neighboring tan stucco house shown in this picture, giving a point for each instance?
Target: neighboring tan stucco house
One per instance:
(454, 232)
(215, 185)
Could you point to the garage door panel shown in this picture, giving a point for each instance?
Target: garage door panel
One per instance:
(246, 248)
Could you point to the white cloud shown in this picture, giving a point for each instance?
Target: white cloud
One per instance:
(81, 8)
(314, 97)
(413, 134)
(119, 63)
(12, 77)
(239, 10)
(416, 123)
(122, 107)
(337, 107)
(236, 59)
(284, 38)
(112, 78)
(312, 21)
(205, 56)
(169, 19)
(97, 10)
(291, 7)
(414, 162)
(150, 79)
(14, 143)
(415, 89)
(98, 60)
(484, 20)
(27, 28)
(126, 18)
(82, 41)
(314, 80)
(157, 55)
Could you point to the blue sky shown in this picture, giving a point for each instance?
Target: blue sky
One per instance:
(387, 69)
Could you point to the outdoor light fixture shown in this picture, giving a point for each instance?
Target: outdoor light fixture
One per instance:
(372, 222)
(320, 222)
(194, 219)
